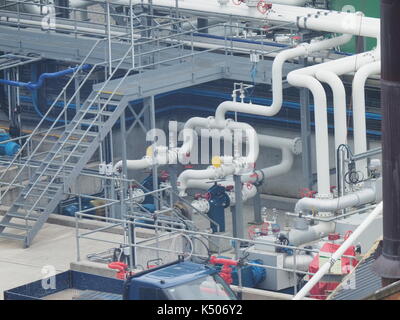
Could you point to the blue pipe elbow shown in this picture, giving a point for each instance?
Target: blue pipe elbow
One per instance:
(36, 85)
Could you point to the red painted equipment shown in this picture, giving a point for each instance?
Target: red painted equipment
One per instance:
(263, 6)
(322, 289)
(122, 269)
(226, 271)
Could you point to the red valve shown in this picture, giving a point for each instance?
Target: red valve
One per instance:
(122, 269)
(229, 188)
(164, 175)
(263, 7)
(347, 235)
(197, 196)
(238, 2)
(265, 228)
(307, 193)
(334, 236)
(226, 270)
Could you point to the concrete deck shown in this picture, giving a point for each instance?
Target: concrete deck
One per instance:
(55, 246)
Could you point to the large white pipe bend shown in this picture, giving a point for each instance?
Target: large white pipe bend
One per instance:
(339, 104)
(298, 79)
(303, 49)
(358, 198)
(305, 78)
(288, 147)
(359, 122)
(211, 173)
(192, 124)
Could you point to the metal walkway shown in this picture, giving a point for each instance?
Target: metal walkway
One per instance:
(136, 66)
(69, 154)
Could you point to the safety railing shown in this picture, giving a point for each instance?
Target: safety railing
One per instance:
(169, 229)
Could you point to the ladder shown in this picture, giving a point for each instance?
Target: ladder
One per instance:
(68, 155)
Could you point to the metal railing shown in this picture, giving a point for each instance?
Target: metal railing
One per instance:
(237, 252)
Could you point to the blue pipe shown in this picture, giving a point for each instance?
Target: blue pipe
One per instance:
(36, 85)
(223, 96)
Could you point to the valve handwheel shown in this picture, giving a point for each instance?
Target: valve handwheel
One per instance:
(263, 7)
(238, 2)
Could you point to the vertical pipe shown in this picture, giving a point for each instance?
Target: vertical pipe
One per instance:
(257, 207)
(238, 212)
(306, 137)
(388, 264)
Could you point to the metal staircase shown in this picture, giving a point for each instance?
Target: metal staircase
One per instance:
(40, 189)
(68, 155)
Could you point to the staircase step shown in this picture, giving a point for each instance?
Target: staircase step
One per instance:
(43, 196)
(103, 113)
(103, 101)
(81, 132)
(42, 186)
(89, 122)
(74, 143)
(15, 226)
(18, 215)
(12, 236)
(57, 155)
(28, 206)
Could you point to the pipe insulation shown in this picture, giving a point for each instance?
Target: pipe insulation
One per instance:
(339, 104)
(359, 121)
(307, 18)
(301, 262)
(303, 49)
(299, 237)
(305, 78)
(288, 147)
(225, 127)
(372, 192)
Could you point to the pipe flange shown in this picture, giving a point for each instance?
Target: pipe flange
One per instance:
(297, 146)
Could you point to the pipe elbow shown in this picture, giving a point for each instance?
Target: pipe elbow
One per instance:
(328, 205)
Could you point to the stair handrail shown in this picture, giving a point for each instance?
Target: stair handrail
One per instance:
(34, 132)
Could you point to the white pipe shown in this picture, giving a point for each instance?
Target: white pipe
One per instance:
(288, 147)
(359, 122)
(299, 237)
(329, 205)
(339, 252)
(139, 164)
(211, 173)
(339, 104)
(302, 262)
(305, 78)
(248, 191)
(321, 128)
(307, 18)
(210, 123)
(35, 7)
(303, 49)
